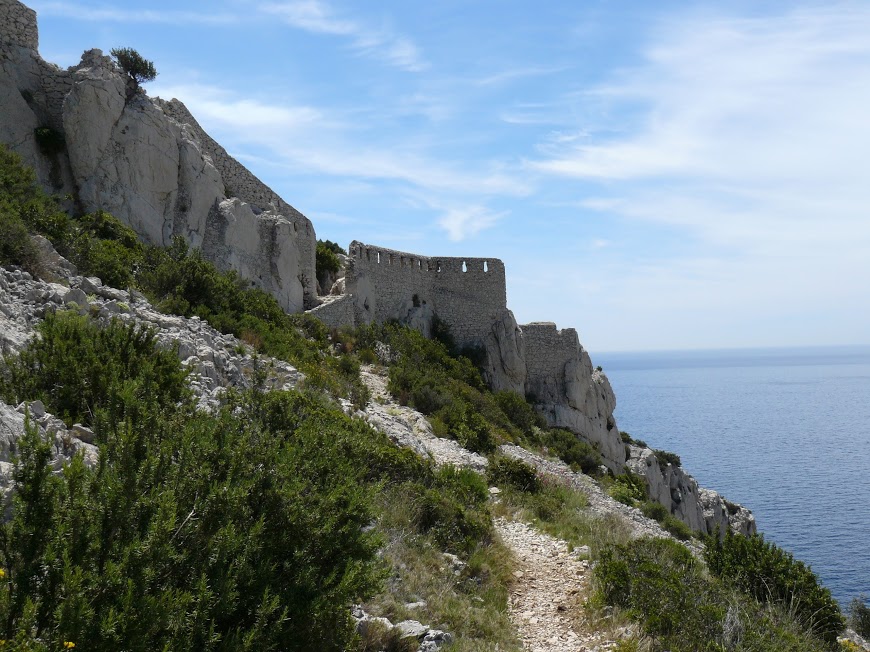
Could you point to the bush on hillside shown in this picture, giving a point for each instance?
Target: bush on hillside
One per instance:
(662, 586)
(629, 489)
(859, 616)
(576, 453)
(510, 472)
(138, 69)
(76, 368)
(519, 411)
(16, 247)
(664, 457)
(245, 529)
(769, 573)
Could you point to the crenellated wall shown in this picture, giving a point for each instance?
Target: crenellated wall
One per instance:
(469, 294)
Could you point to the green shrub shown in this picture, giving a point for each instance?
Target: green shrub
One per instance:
(568, 447)
(769, 573)
(512, 472)
(78, 368)
(859, 616)
(664, 457)
(138, 69)
(325, 259)
(519, 411)
(676, 527)
(655, 511)
(50, 141)
(629, 489)
(16, 247)
(334, 247)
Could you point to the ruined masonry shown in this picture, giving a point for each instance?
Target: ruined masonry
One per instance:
(149, 162)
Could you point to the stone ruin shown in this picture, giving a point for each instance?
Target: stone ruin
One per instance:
(148, 162)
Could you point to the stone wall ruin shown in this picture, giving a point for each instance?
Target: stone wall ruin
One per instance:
(468, 294)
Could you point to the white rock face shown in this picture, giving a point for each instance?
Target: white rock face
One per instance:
(135, 160)
(506, 356)
(701, 509)
(568, 393)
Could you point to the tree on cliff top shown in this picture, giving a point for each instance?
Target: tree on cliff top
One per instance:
(136, 67)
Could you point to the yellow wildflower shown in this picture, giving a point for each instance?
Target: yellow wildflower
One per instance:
(2, 573)
(68, 645)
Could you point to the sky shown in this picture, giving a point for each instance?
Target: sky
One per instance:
(658, 175)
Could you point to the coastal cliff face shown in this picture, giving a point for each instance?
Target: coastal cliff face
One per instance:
(149, 163)
(138, 159)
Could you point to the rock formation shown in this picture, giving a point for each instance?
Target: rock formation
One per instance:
(148, 163)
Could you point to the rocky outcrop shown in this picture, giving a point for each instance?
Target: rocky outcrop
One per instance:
(148, 163)
(505, 361)
(702, 510)
(568, 392)
(216, 360)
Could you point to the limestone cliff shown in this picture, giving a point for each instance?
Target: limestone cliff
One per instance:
(148, 163)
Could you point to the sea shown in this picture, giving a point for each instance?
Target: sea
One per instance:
(784, 432)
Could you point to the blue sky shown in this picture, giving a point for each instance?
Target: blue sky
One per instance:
(658, 175)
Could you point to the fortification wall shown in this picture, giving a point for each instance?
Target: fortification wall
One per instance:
(18, 25)
(547, 351)
(240, 182)
(335, 311)
(469, 294)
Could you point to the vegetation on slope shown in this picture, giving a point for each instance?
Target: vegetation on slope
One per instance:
(175, 279)
(252, 528)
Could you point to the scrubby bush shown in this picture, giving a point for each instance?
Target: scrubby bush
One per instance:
(519, 411)
(664, 457)
(16, 247)
(859, 616)
(245, 529)
(79, 369)
(514, 473)
(769, 573)
(653, 510)
(138, 69)
(629, 489)
(568, 447)
(662, 586)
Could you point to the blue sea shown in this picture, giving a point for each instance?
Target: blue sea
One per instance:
(785, 432)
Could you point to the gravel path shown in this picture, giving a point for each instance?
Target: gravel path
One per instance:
(550, 586)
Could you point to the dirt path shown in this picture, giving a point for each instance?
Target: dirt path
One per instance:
(551, 585)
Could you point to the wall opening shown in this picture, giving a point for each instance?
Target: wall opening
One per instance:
(379, 257)
(438, 266)
(464, 267)
(485, 267)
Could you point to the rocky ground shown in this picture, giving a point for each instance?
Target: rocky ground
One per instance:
(550, 584)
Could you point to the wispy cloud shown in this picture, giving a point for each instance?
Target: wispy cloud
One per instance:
(78, 11)
(376, 42)
(749, 130)
(307, 140)
(466, 221)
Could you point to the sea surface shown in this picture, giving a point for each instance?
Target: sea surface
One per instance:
(784, 432)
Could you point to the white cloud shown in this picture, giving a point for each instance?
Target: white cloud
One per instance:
(466, 221)
(379, 43)
(750, 131)
(307, 140)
